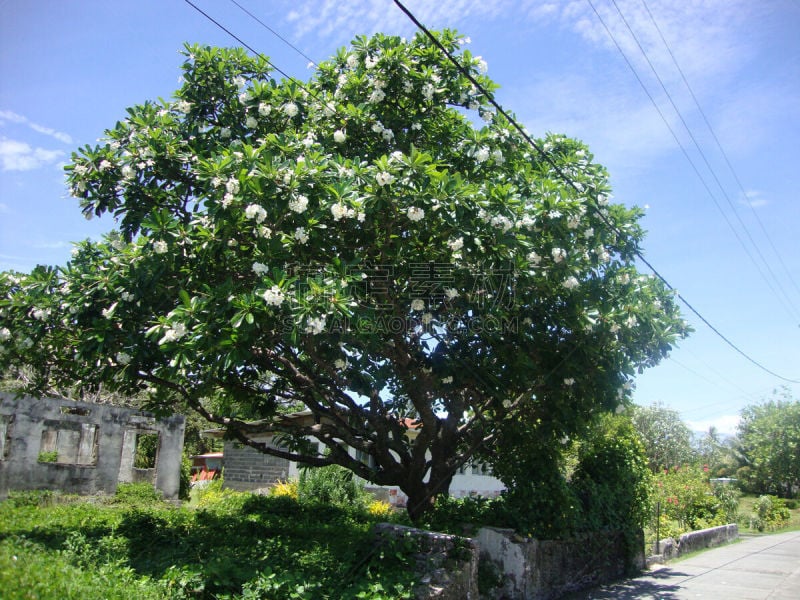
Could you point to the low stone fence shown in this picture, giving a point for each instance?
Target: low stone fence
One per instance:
(669, 548)
(530, 569)
(522, 568)
(447, 565)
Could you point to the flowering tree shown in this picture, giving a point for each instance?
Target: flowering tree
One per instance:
(357, 247)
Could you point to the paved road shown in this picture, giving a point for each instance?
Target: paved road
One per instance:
(754, 568)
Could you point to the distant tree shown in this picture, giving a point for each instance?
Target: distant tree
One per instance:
(376, 246)
(666, 438)
(769, 434)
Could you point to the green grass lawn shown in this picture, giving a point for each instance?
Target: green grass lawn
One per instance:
(236, 546)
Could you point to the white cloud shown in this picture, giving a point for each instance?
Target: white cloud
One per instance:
(12, 117)
(20, 156)
(339, 21)
(725, 424)
(753, 198)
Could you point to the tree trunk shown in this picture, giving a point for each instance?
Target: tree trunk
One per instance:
(419, 503)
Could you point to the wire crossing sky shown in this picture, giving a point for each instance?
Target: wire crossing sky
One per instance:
(69, 71)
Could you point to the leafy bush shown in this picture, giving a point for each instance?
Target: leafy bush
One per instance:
(728, 497)
(137, 494)
(380, 509)
(48, 457)
(683, 495)
(332, 485)
(285, 489)
(215, 497)
(19, 498)
(769, 513)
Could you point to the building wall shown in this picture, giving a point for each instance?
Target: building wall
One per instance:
(245, 468)
(83, 448)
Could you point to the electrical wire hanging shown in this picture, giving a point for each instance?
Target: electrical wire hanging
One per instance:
(569, 182)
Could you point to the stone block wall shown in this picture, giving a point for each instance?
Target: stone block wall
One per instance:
(691, 541)
(533, 569)
(247, 469)
(446, 565)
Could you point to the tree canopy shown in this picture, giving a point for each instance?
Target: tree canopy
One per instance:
(769, 437)
(376, 246)
(666, 438)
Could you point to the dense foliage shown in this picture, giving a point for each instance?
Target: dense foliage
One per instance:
(376, 246)
(236, 546)
(769, 435)
(666, 438)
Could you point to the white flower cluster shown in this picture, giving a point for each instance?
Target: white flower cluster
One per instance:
(456, 244)
(415, 213)
(298, 204)
(123, 358)
(273, 296)
(417, 304)
(340, 211)
(315, 325)
(301, 235)
(40, 314)
(5, 334)
(559, 254)
(502, 222)
(384, 178)
(290, 109)
(255, 212)
(160, 247)
(571, 283)
(339, 136)
(174, 333)
(260, 268)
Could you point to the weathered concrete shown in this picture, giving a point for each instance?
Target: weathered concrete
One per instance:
(669, 549)
(447, 565)
(545, 569)
(89, 448)
(247, 469)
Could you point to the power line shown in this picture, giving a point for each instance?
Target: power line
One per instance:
(275, 33)
(721, 149)
(536, 147)
(788, 302)
(569, 182)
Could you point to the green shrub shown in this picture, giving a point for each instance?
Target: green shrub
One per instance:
(20, 498)
(462, 516)
(769, 513)
(48, 457)
(137, 494)
(332, 485)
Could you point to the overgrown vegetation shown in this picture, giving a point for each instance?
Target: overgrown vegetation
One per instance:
(234, 545)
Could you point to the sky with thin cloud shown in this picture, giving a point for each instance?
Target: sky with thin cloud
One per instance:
(580, 67)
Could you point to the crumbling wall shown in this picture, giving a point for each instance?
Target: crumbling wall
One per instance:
(446, 565)
(83, 448)
(533, 569)
(691, 541)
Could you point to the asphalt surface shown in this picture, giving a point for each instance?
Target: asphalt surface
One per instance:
(753, 568)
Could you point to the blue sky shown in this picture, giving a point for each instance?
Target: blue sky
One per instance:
(69, 69)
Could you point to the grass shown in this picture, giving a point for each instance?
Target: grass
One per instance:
(236, 546)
